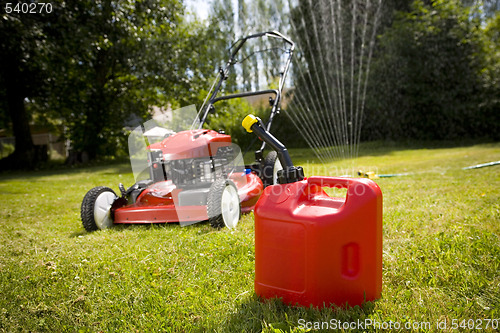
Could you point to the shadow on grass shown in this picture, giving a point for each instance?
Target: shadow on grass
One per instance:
(256, 314)
(203, 226)
(79, 233)
(377, 148)
(118, 167)
(302, 155)
(380, 148)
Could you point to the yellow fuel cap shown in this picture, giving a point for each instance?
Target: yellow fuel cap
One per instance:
(249, 121)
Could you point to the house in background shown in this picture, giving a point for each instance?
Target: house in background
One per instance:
(56, 147)
(60, 148)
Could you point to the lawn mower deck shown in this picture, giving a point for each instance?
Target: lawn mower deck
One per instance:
(157, 203)
(183, 169)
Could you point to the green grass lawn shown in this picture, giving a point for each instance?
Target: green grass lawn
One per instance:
(441, 254)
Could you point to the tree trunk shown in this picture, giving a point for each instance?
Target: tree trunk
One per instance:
(25, 155)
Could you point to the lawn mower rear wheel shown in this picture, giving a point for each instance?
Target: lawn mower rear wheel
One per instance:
(96, 208)
(272, 165)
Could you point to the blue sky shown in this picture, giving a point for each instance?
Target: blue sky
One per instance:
(199, 7)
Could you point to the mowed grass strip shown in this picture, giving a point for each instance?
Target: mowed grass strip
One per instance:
(441, 254)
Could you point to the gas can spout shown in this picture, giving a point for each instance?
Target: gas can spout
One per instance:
(290, 173)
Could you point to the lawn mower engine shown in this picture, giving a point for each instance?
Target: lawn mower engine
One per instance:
(192, 174)
(192, 158)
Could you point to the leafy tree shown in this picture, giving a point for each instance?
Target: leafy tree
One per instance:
(117, 59)
(226, 24)
(24, 50)
(219, 36)
(426, 75)
(486, 8)
(490, 75)
(229, 23)
(91, 65)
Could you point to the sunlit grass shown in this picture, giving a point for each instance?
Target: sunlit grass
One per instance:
(441, 253)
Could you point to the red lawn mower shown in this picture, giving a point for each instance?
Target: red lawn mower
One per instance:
(191, 174)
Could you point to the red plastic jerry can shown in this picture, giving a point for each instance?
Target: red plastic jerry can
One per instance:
(314, 249)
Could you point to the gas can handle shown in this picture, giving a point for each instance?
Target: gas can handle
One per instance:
(337, 182)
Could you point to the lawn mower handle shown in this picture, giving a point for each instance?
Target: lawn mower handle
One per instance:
(223, 73)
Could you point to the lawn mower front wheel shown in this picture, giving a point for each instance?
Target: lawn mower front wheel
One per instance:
(223, 204)
(96, 208)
